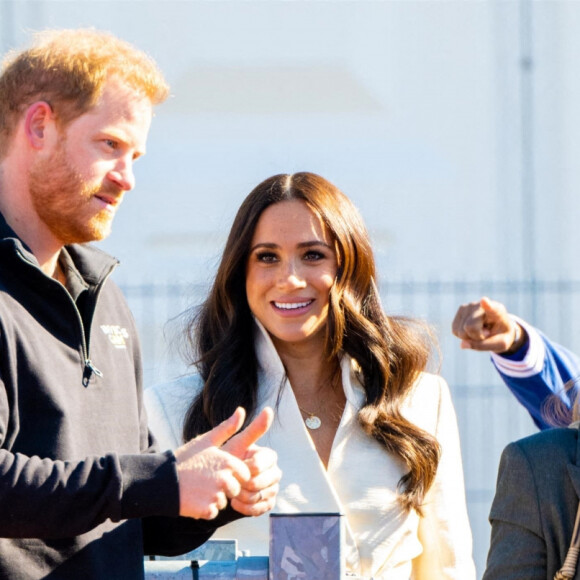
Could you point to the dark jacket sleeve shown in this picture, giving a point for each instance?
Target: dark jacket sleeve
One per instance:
(45, 498)
(175, 536)
(533, 512)
(517, 549)
(74, 497)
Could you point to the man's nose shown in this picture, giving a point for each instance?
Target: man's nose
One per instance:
(123, 175)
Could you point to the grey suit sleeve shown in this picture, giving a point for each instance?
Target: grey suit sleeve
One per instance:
(517, 548)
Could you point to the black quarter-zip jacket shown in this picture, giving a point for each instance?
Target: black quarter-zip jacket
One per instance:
(83, 492)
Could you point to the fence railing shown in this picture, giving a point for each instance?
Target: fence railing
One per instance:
(301, 545)
(488, 415)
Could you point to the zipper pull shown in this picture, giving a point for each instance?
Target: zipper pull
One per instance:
(90, 369)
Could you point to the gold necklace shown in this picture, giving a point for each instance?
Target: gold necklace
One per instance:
(313, 422)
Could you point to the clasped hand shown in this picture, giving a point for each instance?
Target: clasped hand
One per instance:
(223, 465)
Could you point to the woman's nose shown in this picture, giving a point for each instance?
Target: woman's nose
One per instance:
(290, 275)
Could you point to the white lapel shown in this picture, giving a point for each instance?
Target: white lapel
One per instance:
(306, 486)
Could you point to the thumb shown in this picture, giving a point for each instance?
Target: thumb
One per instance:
(226, 429)
(239, 444)
(492, 308)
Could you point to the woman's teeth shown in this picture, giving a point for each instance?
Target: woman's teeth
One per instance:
(291, 305)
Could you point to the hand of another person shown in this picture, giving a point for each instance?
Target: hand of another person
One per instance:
(258, 494)
(208, 475)
(487, 326)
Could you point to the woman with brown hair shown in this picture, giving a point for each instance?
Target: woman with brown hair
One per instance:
(293, 320)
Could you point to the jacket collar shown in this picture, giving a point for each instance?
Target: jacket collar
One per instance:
(274, 374)
(92, 264)
(9, 238)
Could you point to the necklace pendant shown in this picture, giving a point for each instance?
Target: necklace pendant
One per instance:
(313, 422)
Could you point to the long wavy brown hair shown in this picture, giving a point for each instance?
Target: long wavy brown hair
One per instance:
(391, 351)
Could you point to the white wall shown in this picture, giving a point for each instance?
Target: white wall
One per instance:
(414, 109)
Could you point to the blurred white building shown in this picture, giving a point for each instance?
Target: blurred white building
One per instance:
(454, 126)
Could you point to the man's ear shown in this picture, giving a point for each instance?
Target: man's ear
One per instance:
(37, 120)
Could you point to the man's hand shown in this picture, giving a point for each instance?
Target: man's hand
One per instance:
(487, 326)
(212, 471)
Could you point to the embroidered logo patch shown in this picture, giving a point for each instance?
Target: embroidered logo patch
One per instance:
(116, 334)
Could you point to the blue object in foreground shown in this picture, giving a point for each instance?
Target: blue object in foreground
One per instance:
(244, 568)
(306, 545)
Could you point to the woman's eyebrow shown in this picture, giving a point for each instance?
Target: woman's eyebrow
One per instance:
(270, 245)
(308, 244)
(314, 243)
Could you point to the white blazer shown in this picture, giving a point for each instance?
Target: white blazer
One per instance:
(382, 541)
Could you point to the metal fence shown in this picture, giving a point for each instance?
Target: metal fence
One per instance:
(488, 415)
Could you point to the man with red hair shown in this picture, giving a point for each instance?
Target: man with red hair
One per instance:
(83, 490)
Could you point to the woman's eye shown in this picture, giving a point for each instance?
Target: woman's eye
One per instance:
(313, 255)
(110, 143)
(266, 257)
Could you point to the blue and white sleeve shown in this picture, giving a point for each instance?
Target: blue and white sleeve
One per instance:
(540, 369)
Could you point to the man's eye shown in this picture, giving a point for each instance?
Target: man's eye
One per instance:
(110, 143)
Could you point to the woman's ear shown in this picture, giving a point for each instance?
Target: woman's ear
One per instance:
(37, 120)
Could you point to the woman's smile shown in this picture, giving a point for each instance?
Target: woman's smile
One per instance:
(292, 308)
